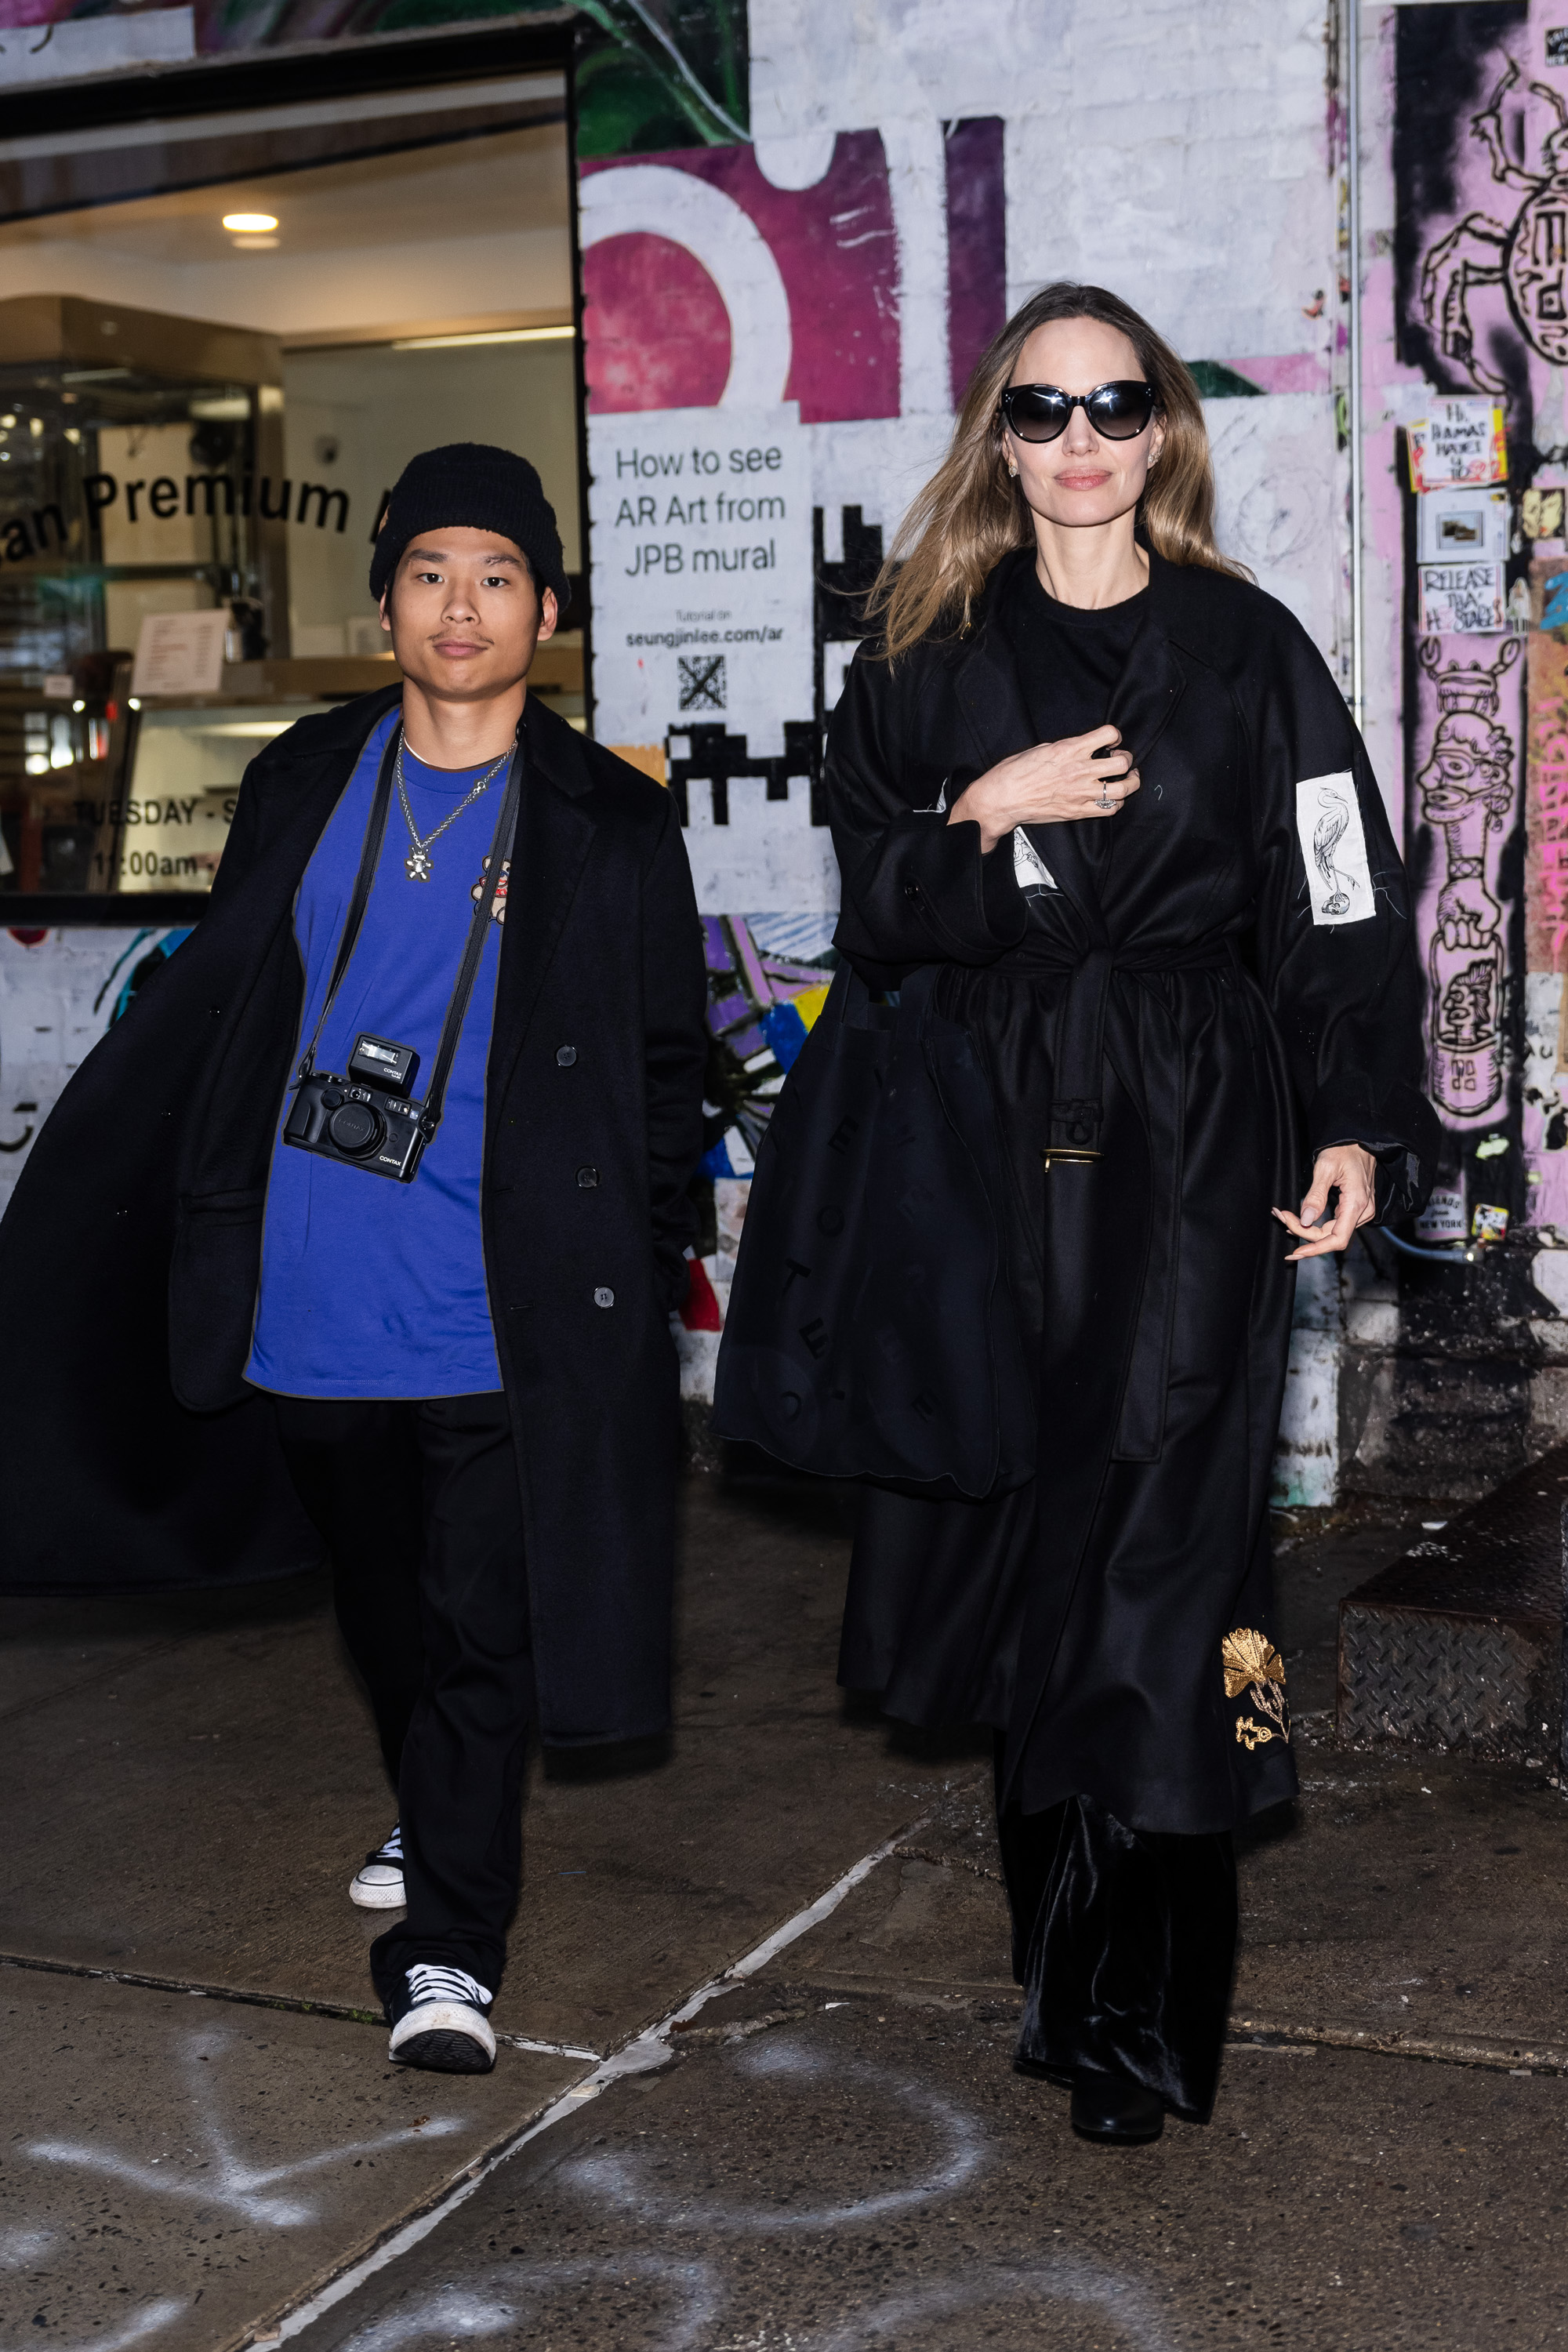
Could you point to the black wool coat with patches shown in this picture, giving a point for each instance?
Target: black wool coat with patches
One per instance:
(1178, 990)
(132, 1454)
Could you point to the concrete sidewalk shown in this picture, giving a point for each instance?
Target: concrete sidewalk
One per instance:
(832, 2150)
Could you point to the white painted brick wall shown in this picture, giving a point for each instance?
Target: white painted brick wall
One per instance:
(1174, 152)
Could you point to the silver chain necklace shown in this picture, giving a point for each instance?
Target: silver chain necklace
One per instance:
(417, 865)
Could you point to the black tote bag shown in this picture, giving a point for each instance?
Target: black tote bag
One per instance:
(869, 1332)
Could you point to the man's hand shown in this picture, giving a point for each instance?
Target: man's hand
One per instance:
(1354, 1173)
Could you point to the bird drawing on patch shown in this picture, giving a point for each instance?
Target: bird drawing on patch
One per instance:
(1327, 834)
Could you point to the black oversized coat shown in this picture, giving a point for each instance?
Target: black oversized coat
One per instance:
(1179, 992)
(131, 1455)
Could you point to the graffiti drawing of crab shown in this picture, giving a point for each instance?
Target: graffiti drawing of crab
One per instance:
(1527, 256)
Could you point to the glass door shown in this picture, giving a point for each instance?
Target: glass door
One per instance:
(222, 337)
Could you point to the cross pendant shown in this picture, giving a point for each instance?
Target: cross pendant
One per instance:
(416, 865)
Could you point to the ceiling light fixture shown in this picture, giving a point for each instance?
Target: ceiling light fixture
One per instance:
(250, 224)
(491, 335)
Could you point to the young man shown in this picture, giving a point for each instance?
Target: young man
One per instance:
(464, 1373)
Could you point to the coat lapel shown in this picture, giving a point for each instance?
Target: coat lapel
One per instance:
(987, 687)
(320, 784)
(554, 835)
(309, 785)
(991, 696)
(1143, 701)
(1142, 704)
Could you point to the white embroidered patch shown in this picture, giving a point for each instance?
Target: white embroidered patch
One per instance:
(1333, 847)
(1029, 868)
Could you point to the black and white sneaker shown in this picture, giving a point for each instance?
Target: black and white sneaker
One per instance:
(437, 2020)
(377, 1885)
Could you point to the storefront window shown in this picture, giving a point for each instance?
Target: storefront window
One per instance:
(218, 357)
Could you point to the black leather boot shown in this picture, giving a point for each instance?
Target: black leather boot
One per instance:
(1115, 2109)
(1038, 2071)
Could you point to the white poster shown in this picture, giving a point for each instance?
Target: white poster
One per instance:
(1461, 600)
(1464, 525)
(1458, 441)
(701, 521)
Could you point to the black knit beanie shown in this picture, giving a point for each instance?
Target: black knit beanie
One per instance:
(485, 488)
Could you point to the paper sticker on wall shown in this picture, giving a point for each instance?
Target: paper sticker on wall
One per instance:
(1462, 600)
(1442, 1218)
(1540, 514)
(1465, 525)
(1458, 441)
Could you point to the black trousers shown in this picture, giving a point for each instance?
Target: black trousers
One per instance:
(418, 1504)
(1124, 1942)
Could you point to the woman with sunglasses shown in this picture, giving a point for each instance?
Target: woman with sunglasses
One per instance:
(1110, 788)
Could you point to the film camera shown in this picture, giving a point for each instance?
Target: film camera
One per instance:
(366, 1119)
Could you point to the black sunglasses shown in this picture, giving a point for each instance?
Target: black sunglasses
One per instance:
(1039, 412)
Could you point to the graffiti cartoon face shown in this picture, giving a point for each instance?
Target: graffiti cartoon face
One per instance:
(1469, 769)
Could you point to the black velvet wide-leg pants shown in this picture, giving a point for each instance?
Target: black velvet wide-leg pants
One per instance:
(418, 1502)
(1124, 1942)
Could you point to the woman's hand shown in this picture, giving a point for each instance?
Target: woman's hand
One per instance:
(1355, 1173)
(1048, 784)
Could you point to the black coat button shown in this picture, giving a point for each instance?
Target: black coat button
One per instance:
(912, 889)
(587, 1179)
(565, 1056)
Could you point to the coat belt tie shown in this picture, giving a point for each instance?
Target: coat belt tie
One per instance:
(1077, 1108)
(1074, 1131)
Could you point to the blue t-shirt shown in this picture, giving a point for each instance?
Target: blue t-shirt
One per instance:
(370, 1287)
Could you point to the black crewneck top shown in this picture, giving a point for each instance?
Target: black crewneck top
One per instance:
(1068, 660)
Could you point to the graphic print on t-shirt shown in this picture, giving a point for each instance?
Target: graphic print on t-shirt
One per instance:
(498, 903)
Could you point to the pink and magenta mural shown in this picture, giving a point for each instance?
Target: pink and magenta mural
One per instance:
(1480, 291)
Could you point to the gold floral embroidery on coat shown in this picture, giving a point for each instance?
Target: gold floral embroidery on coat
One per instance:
(1253, 1665)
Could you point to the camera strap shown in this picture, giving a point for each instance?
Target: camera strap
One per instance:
(370, 852)
(457, 1005)
(474, 947)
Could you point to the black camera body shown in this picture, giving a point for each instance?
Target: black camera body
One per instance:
(366, 1119)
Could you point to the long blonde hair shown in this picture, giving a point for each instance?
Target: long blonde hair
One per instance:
(971, 513)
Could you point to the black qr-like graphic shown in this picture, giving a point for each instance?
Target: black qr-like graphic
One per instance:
(701, 681)
(1557, 45)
